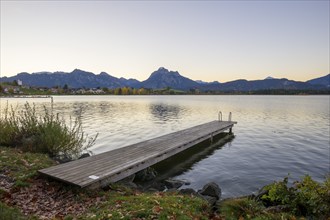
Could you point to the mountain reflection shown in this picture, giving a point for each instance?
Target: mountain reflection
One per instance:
(163, 112)
(79, 108)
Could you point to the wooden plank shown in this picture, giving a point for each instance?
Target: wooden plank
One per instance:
(160, 141)
(169, 142)
(102, 163)
(150, 161)
(155, 159)
(114, 165)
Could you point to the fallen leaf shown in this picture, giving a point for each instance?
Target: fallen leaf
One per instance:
(157, 209)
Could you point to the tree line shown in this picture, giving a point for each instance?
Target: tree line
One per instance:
(66, 90)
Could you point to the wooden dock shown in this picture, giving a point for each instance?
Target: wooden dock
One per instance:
(112, 166)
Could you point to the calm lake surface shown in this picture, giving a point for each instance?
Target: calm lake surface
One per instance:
(275, 135)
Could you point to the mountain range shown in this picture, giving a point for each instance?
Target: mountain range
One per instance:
(161, 78)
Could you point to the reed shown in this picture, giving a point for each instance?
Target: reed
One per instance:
(44, 132)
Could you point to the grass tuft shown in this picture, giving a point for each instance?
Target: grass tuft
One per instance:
(9, 213)
(151, 206)
(20, 166)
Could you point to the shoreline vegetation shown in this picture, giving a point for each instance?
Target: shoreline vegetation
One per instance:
(29, 142)
(46, 133)
(13, 89)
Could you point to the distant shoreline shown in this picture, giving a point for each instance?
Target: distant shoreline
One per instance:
(185, 94)
(15, 89)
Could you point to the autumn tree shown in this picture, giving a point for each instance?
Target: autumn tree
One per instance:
(142, 91)
(118, 91)
(124, 91)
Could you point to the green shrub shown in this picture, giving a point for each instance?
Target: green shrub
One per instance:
(9, 127)
(47, 133)
(305, 198)
(312, 198)
(279, 193)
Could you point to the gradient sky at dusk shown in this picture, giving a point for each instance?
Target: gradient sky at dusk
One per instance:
(209, 40)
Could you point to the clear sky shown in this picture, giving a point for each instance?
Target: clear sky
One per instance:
(203, 40)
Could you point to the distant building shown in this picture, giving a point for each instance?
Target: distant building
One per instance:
(53, 90)
(19, 82)
(17, 90)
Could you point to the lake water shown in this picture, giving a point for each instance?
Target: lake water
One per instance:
(275, 135)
